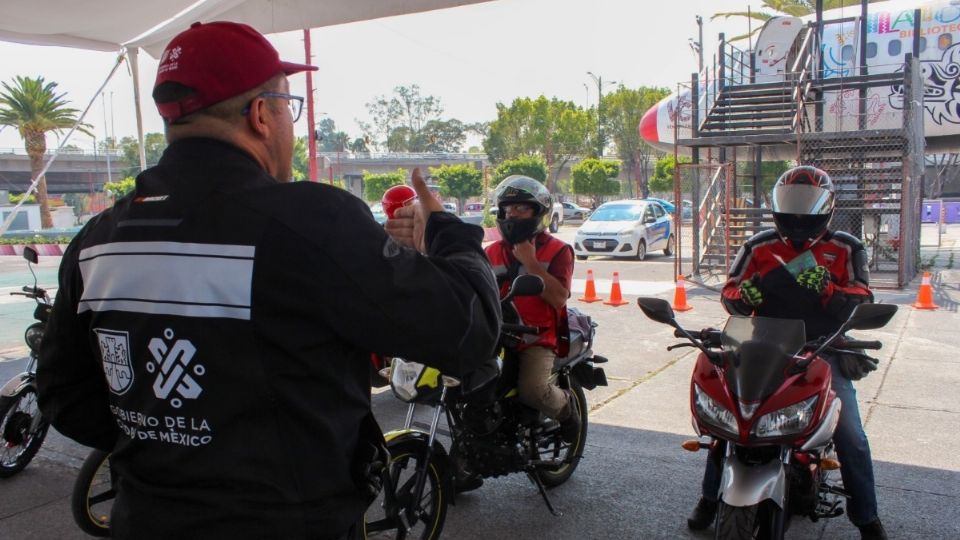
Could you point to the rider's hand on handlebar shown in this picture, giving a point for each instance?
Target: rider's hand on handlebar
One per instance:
(814, 279)
(750, 291)
(856, 366)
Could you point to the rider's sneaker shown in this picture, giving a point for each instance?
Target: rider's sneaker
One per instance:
(703, 515)
(873, 531)
(466, 483)
(571, 425)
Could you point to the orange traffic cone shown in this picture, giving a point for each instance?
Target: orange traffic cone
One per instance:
(590, 294)
(615, 298)
(680, 296)
(925, 295)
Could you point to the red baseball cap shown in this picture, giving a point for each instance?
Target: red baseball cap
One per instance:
(218, 60)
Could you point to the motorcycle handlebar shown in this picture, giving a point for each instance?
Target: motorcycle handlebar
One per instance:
(519, 329)
(857, 344)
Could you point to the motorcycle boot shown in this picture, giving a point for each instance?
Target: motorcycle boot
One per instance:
(873, 531)
(703, 515)
(570, 425)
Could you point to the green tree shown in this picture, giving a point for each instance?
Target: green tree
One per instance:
(623, 111)
(120, 188)
(595, 178)
(459, 181)
(553, 129)
(662, 180)
(408, 121)
(153, 146)
(533, 166)
(301, 161)
(33, 107)
(359, 145)
(329, 139)
(375, 184)
(796, 8)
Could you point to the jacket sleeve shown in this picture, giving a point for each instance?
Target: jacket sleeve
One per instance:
(441, 309)
(72, 391)
(849, 284)
(742, 268)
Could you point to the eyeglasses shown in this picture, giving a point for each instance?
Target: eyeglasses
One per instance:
(294, 102)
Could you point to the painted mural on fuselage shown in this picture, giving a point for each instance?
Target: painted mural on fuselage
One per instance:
(889, 37)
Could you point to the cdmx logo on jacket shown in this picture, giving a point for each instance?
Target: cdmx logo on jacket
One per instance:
(172, 366)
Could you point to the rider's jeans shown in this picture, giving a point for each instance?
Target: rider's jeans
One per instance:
(853, 450)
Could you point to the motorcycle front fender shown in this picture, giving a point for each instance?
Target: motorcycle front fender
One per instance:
(16, 384)
(747, 485)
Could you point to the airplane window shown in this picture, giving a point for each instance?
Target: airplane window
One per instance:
(893, 48)
(871, 50)
(846, 53)
(945, 41)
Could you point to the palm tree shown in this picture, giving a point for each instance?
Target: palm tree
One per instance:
(795, 8)
(34, 108)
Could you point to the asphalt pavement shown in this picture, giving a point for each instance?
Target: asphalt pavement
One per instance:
(635, 482)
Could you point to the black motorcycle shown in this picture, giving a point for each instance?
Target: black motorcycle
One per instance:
(492, 433)
(22, 427)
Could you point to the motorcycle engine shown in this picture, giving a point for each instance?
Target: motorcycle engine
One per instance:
(482, 419)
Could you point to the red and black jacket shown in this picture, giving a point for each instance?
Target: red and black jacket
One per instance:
(765, 254)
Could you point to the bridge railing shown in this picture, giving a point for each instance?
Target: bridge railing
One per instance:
(20, 151)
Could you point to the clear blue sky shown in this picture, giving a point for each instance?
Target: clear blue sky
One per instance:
(470, 57)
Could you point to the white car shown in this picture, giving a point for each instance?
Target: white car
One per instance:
(574, 211)
(628, 228)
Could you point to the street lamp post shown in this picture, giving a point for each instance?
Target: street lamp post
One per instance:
(697, 46)
(600, 138)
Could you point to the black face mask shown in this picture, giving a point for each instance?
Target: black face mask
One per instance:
(515, 230)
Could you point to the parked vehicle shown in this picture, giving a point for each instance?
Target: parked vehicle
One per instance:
(492, 433)
(627, 228)
(473, 209)
(574, 211)
(22, 427)
(450, 207)
(667, 205)
(378, 213)
(93, 492)
(762, 394)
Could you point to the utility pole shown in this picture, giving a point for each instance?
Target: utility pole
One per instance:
(600, 136)
(311, 134)
(698, 46)
(106, 136)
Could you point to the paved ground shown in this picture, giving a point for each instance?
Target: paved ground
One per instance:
(635, 481)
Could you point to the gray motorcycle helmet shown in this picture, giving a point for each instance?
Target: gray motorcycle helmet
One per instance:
(522, 189)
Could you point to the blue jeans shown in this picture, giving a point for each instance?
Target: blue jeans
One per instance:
(853, 450)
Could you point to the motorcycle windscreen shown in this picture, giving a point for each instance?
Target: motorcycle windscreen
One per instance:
(758, 351)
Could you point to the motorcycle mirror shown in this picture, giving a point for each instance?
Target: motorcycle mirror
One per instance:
(30, 254)
(871, 316)
(525, 285)
(657, 309)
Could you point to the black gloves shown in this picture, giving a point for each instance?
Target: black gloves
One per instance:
(855, 366)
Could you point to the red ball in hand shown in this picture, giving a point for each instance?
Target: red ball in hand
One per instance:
(397, 196)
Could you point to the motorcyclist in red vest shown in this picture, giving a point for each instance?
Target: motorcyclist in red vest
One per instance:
(524, 207)
(803, 270)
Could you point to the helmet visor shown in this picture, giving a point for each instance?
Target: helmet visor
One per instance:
(802, 199)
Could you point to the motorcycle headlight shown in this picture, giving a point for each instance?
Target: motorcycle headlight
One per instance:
(32, 337)
(712, 412)
(409, 380)
(786, 421)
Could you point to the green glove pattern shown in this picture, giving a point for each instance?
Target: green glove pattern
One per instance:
(750, 293)
(814, 279)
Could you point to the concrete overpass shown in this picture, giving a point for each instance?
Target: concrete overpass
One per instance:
(74, 171)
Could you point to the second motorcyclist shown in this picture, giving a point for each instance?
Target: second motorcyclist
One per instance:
(803, 270)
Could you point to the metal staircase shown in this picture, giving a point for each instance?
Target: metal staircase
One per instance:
(751, 109)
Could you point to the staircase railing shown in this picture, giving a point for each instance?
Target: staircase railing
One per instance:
(803, 67)
(710, 213)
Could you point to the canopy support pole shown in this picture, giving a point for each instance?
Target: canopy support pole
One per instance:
(133, 54)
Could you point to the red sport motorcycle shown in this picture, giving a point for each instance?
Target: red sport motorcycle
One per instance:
(763, 396)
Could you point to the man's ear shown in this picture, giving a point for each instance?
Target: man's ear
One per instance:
(259, 118)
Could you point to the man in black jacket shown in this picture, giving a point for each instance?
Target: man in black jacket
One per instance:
(213, 329)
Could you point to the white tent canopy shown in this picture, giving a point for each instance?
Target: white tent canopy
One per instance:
(110, 25)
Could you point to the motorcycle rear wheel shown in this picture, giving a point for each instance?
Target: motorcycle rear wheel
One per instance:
(429, 511)
(93, 494)
(552, 447)
(22, 430)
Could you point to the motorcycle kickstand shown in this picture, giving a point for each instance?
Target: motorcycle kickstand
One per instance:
(535, 478)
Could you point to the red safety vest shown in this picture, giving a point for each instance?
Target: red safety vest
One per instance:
(533, 310)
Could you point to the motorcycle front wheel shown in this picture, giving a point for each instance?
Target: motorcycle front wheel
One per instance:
(551, 447)
(410, 516)
(22, 430)
(758, 521)
(93, 494)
